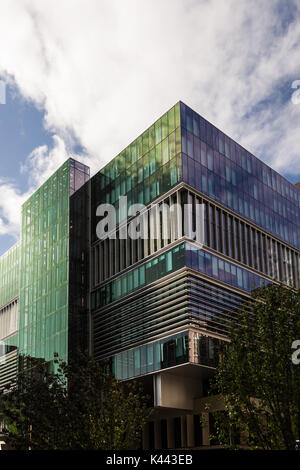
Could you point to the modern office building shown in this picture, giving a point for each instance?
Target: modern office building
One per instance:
(216, 222)
(35, 286)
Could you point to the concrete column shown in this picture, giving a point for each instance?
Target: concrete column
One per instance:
(183, 431)
(152, 230)
(157, 434)
(190, 438)
(172, 220)
(146, 232)
(170, 430)
(205, 429)
(158, 228)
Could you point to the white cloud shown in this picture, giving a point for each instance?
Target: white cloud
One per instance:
(105, 70)
(39, 166)
(43, 162)
(10, 208)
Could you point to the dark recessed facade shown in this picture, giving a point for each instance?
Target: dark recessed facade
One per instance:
(154, 307)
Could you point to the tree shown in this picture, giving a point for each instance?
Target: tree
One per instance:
(79, 407)
(256, 377)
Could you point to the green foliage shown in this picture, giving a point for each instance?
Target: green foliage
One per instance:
(79, 407)
(256, 376)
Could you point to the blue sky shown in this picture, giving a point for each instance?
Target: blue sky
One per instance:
(87, 85)
(21, 131)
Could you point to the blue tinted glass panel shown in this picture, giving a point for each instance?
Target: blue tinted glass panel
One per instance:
(264, 196)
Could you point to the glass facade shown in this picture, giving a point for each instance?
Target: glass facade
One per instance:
(155, 310)
(212, 306)
(218, 268)
(207, 349)
(132, 280)
(135, 308)
(79, 281)
(10, 274)
(219, 167)
(151, 357)
(138, 299)
(183, 255)
(11, 342)
(79, 175)
(146, 273)
(45, 262)
(146, 169)
(36, 313)
(43, 311)
(167, 352)
(9, 303)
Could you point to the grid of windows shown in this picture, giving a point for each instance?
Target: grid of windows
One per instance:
(151, 357)
(9, 302)
(223, 232)
(129, 307)
(224, 271)
(79, 175)
(11, 342)
(176, 302)
(123, 318)
(147, 168)
(217, 166)
(161, 225)
(44, 269)
(9, 274)
(79, 280)
(185, 254)
(141, 316)
(212, 307)
(9, 319)
(206, 349)
(8, 368)
(246, 244)
(167, 352)
(144, 274)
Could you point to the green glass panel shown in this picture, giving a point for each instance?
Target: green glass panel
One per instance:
(165, 151)
(139, 147)
(151, 137)
(44, 267)
(172, 148)
(133, 152)
(145, 274)
(145, 142)
(150, 357)
(158, 131)
(177, 114)
(158, 155)
(164, 121)
(10, 273)
(158, 145)
(171, 119)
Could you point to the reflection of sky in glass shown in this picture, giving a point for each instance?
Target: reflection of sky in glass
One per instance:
(213, 266)
(79, 174)
(215, 165)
